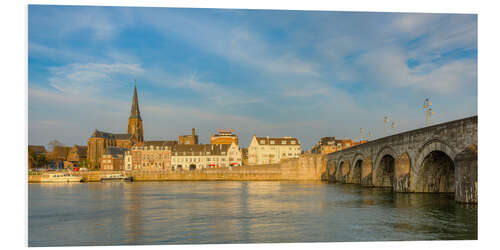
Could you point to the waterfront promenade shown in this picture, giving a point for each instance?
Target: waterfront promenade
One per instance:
(306, 167)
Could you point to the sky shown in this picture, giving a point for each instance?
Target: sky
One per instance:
(306, 74)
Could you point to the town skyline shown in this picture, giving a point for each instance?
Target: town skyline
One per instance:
(270, 73)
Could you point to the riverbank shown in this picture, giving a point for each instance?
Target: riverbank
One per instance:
(306, 167)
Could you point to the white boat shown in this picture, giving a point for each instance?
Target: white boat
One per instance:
(61, 177)
(115, 177)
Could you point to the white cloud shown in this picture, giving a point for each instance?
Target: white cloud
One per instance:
(90, 78)
(388, 67)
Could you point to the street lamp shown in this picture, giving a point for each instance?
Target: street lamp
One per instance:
(386, 121)
(430, 115)
(427, 108)
(369, 135)
(360, 134)
(392, 127)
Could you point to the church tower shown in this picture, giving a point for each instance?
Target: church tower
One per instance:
(135, 121)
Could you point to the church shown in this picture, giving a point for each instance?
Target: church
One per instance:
(99, 140)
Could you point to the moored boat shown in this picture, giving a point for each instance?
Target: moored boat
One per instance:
(61, 177)
(116, 177)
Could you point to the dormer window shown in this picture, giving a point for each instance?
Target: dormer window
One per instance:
(262, 142)
(293, 142)
(283, 142)
(272, 142)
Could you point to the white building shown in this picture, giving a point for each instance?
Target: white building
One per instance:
(200, 156)
(266, 150)
(128, 161)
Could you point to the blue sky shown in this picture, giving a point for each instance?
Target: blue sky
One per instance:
(306, 74)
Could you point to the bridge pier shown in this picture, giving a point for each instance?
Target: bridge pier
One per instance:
(367, 172)
(343, 172)
(402, 167)
(466, 175)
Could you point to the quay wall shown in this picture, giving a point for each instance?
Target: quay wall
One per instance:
(306, 167)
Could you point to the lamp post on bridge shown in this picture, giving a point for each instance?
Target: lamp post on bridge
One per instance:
(386, 121)
(360, 134)
(427, 108)
(430, 115)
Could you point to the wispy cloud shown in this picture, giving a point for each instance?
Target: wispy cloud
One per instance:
(90, 77)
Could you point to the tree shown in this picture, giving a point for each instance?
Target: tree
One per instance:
(53, 144)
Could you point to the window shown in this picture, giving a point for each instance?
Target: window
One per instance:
(262, 142)
(272, 142)
(283, 142)
(293, 142)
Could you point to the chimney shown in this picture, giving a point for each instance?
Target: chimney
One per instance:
(192, 133)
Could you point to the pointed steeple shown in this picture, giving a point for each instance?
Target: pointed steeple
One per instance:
(134, 112)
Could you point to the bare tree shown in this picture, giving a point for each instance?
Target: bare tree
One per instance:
(53, 144)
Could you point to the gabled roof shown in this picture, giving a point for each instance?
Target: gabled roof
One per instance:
(114, 151)
(106, 135)
(81, 150)
(37, 149)
(122, 136)
(200, 149)
(277, 141)
(160, 143)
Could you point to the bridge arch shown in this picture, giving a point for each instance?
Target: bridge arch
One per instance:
(435, 168)
(383, 174)
(355, 173)
(343, 170)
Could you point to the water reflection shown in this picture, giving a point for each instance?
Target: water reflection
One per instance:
(121, 213)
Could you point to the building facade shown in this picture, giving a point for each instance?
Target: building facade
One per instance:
(151, 155)
(201, 156)
(224, 136)
(99, 140)
(113, 158)
(327, 145)
(77, 153)
(189, 139)
(267, 150)
(127, 157)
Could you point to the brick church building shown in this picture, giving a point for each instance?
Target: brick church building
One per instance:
(99, 140)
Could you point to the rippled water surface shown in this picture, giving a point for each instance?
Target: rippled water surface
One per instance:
(123, 213)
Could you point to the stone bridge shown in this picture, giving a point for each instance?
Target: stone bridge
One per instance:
(437, 159)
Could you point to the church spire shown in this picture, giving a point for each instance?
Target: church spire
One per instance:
(134, 112)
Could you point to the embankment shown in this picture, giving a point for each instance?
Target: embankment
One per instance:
(306, 167)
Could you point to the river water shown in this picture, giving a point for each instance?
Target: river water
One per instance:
(130, 213)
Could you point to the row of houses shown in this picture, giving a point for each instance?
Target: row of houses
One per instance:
(171, 155)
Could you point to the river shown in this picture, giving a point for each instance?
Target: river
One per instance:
(133, 213)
